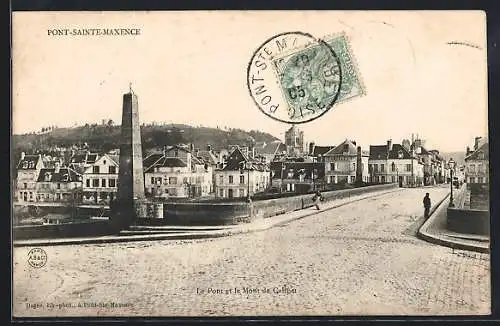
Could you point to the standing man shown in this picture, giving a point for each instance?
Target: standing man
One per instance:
(427, 205)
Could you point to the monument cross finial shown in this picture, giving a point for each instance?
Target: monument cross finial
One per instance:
(130, 87)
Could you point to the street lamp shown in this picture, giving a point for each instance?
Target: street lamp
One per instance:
(451, 166)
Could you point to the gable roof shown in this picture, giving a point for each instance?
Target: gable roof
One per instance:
(396, 149)
(347, 147)
(270, 148)
(171, 162)
(207, 156)
(481, 149)
(378, 152)
(64, 175)
(321, 150)
(29, 162)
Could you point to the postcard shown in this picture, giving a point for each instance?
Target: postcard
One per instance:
(250, 163)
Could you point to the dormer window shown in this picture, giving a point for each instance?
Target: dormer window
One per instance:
(47, 176)
(25, 165)
(65, 177)
(400, 154)
(32, 165)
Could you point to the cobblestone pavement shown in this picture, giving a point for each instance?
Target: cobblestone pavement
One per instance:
(361, 258)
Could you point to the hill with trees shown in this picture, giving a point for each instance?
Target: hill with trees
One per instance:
(104, 137)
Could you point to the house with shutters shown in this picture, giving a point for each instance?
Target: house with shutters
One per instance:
(477, 163)
(240, 176)
(176, 172)
(341, 163)
(59, 184)
(297, 175)
(28, 170)
(393, 163)
(100, 180)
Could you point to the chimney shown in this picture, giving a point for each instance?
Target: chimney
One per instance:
(209, 147)
(197, 151)
(23, 155)
(467, 151)
(57, 166)
(191, 147)
(389, 145)
(476, 142)
(354, 142)
(311, 148)
(164, 150)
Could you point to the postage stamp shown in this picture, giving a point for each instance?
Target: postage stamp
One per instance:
(294, 77)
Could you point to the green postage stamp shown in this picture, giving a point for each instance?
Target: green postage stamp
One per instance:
(308, 80)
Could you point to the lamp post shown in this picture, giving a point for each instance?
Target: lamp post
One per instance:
(451, 166)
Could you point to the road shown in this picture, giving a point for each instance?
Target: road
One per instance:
(361, 258)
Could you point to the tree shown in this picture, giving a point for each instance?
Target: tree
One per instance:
(111, 123)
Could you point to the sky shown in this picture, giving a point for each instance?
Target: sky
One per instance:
(190, 67)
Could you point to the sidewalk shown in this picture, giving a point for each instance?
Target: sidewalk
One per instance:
(200, 233)
(434, 230)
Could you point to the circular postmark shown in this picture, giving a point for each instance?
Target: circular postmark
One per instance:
(294, 77)
(37, 257)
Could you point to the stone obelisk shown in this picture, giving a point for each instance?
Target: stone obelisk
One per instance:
(131, 174)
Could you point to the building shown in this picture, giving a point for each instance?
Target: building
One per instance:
(28, 170)
(477, 162)
(297, 175)
(392, 163)
(177, 173)
(100, 180)
(240, 176)
(59, 184)
(80, 161)
(294, 141)
(269, 151)
(316, 152)
(433, 163)
(342, 163)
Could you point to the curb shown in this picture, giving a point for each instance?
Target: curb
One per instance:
(423, 234)
(187, 235)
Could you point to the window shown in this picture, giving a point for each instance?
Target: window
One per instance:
(472, 168)
(353, 167)
(25, 185)
(104, 162)
(58, 196)
(95, 182)
(400, 154)
(393, 167)
(375, 167)
(382, 179)
(480, 180)
(95, 169)
(382, 168)
(172, 180)
(472, 180)
(31, 195)
(408, 167)
(152, 180)
(25, 165)
(112, 169)
(32, 165)
(176, 153)
(103, 183)
(242, 179)
(352, 179)
(104, 195)
(230, 179)
(242, 193)
(332, 166)
(58, 186)
(221, 193)
(112, 183)
(221, 178)
(393, 178)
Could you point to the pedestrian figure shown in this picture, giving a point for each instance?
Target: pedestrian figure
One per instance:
(427, 205)
(317, 198)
